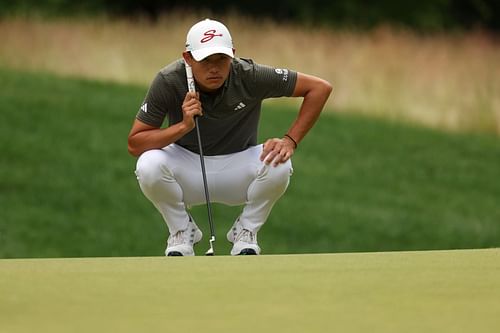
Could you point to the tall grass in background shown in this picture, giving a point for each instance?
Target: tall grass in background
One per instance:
(446, 81)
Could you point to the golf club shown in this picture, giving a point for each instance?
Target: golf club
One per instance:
(191, 88)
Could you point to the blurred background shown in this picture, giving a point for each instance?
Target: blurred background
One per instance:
(406, 155)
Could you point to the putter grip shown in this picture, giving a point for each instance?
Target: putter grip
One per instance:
(190, 80)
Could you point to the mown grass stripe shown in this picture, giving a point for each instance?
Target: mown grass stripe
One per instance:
(68, 188)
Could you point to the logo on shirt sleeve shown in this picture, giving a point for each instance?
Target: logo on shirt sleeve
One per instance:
(284, 72)
(144, 108)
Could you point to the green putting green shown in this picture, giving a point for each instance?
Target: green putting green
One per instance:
(431, 291)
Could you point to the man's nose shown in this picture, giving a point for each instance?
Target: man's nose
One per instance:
(212, 67)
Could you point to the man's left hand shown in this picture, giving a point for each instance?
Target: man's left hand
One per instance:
(277, 151)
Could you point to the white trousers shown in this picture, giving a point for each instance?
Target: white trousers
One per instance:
(171, 179)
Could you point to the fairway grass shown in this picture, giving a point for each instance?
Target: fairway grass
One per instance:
(433, 291)
(68, 189)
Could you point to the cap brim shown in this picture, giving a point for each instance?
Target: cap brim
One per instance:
(199, 55)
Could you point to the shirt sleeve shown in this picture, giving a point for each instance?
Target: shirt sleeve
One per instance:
(274, 82)
(154, 107)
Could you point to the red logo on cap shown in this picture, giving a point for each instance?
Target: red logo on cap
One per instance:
(209, 35)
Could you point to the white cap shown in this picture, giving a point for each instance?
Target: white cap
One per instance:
(209, 37)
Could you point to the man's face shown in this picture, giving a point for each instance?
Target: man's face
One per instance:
(211, 72)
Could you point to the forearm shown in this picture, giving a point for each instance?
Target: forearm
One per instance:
(156, 138)
(145, 137)
(312, 105)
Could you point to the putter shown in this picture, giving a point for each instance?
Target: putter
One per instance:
(191, 88)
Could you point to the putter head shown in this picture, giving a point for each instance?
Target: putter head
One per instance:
(210, 251)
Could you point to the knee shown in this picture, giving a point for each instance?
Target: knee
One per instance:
(152, 166)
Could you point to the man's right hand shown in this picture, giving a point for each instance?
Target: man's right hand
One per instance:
(191, 107)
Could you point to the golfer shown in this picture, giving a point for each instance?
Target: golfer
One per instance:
(228, 101)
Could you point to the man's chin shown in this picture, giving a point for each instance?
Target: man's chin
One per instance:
(211, 87)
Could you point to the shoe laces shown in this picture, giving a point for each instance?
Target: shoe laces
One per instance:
(246, 236)
(180, 238)
(176, 239)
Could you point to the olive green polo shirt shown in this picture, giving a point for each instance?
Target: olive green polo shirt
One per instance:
(230, 116)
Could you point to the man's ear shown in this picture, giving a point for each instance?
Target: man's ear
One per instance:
(188, 58)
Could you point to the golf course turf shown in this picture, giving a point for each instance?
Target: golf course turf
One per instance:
(427, 291)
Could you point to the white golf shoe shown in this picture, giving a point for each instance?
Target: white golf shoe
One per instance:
(244, 241)
(181, 243)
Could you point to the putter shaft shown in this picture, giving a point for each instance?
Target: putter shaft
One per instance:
(192, 88)
(207, 194)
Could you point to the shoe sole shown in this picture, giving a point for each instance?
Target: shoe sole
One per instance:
(179, 254)
(247, 252)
